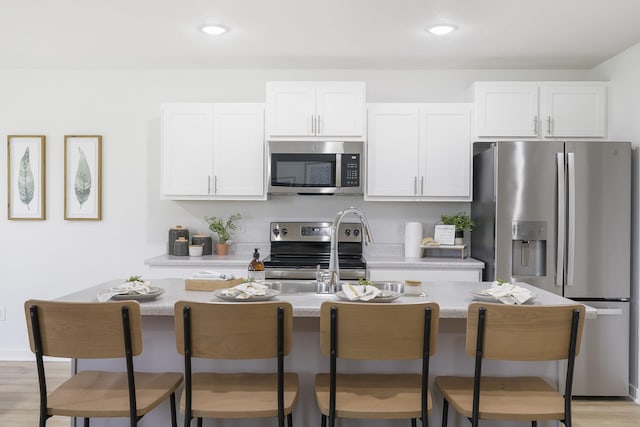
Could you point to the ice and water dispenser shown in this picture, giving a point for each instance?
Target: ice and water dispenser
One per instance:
(529, 248)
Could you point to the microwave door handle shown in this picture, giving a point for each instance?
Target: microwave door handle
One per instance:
(561, 220)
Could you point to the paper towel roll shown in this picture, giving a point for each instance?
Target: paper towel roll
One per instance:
(412, 239)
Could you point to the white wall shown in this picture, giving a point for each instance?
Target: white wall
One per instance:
(624, 124)
(48, 259)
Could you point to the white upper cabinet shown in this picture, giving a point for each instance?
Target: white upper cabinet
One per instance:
(238, 150)
(392, 150)
(187, 149)
(419, 152)
(315, 110)
(538, 110)
(445, 135)
(213, 151)
(577, 110)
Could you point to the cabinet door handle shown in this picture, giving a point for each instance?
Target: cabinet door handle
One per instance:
(535, 125)
(215, 184)
(549, 125)
(318, 125)
(208, 184)
(313, 125)
(421, 185)
(415, 185)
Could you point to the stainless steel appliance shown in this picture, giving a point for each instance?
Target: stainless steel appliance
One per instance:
(557, 215)
(297, 248)
(303, 167)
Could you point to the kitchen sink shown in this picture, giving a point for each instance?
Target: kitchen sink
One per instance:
(294, 287)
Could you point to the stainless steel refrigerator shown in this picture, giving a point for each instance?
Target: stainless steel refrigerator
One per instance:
(557, 215)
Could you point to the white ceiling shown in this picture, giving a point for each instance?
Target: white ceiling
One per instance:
(524, 34)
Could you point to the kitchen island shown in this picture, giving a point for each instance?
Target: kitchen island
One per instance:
(305, 358)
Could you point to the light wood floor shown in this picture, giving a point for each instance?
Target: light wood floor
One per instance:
(19, 400)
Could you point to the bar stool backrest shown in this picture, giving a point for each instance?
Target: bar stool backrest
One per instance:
(84, 330)
(233, 330)
(524, 332)
(369, 331)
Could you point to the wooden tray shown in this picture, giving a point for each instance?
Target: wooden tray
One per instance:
(209, 284)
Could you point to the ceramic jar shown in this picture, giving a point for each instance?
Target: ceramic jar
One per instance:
(174, 234)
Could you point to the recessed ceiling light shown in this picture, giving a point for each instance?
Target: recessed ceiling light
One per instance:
(214, 30)
(441, 30)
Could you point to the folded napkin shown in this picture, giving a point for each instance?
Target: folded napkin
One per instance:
(360, 292)
(246, 290)
(508, 293)
(212, 275)
(127, 288)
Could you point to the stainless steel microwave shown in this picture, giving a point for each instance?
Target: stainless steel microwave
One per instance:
(311, 167)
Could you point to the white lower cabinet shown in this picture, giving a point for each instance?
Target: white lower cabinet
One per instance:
(213, 151)
(419, 152)
(402, 274)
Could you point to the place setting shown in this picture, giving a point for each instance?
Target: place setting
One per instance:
(506, 293)
(365, 292)
(247, 292)
(134, 288)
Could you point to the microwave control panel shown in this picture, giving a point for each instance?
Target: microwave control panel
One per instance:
(350, 170)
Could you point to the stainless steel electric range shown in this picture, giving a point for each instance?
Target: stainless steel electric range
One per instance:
(297, 248)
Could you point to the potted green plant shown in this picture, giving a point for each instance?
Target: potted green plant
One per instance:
(462, 221)
(223, 229)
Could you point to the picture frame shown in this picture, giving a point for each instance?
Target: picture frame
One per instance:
(26, 173)
(83, 177)
(444, 234)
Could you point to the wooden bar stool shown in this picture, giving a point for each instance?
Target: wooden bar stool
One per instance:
(94, 331)
(256, 330)
(517, 333)
(365, 331)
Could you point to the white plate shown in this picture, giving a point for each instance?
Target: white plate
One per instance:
(488, 298)
(384, 296)
(270, 294)
(152, 294)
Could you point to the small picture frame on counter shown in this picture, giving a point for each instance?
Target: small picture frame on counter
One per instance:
(445, 234)
(83, 177)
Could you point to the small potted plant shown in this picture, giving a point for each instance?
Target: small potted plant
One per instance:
(462, 221)
(223, 230)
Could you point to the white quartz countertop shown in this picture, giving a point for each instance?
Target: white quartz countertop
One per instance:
(377, 261)
(453, 298)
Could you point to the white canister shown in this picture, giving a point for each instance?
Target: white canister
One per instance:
(412, 239)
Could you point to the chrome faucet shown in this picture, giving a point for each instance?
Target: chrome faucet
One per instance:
(334, 268)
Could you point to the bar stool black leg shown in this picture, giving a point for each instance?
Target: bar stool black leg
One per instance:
(445, 412)
(413, 422)
(86, 422)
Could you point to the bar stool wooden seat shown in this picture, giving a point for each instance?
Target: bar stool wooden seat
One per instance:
(256, 330)
(516, 333)
(95, 331)
(365, 331)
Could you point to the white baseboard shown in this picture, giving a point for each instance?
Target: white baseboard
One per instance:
(17, 354)
(633, 393)
(25, 355)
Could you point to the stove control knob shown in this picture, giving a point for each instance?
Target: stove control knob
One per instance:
(276, 232)
(356, 232)
(347, 232)
(284, 231)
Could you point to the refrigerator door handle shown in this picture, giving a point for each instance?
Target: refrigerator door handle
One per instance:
(571, 237)
(561, 220)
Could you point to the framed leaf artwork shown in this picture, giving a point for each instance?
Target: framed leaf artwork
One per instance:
(83, 177)
(26, 177)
